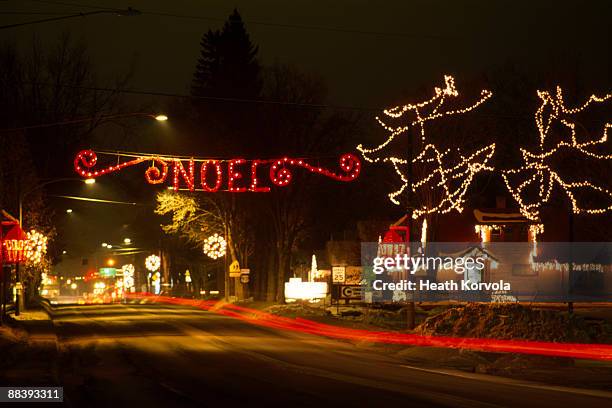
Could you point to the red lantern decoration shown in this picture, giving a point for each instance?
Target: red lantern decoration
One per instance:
(14, 244)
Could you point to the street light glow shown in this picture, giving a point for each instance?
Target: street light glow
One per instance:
(69, 211)
(127, 241)
(110, 262)
(104, 244)
(161, 118)
(90, 181)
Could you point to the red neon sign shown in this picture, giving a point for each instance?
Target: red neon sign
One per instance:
(208, 175)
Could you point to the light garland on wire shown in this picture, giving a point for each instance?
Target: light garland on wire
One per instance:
(536, 171)
(484, 230)
(237, 171)
(152, 263)
(215, 246)
(464, 170)
(543, 266)
(36, 247)
(534, 231)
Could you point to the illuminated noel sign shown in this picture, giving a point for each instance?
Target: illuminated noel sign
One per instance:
(211, 175)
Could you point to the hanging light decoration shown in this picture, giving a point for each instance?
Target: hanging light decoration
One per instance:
(152, 263)
(234, 174)
(215, 246)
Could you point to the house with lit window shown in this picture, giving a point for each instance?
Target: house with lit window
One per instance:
(533, 255)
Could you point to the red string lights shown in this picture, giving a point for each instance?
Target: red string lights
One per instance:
(254, 183)
(155, 175)
(218, 177)
(281, 175)
(234, 174)
(180, 172)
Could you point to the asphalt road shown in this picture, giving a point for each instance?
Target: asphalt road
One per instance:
(170, 356)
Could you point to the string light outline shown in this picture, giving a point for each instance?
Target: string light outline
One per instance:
(465, 169)
(153, 263)
(215, 246)
(279, 173)
(541, 172)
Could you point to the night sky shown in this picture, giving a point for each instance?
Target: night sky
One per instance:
(366, 70)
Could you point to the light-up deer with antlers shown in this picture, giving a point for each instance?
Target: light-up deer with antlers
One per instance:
(532, 184)
(448, 170)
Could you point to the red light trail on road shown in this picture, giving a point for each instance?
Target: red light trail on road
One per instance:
(602, 352)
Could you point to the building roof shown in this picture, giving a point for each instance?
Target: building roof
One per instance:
(499, 216)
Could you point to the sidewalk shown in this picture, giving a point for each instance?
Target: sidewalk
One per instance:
(37, 324)
(29, 350)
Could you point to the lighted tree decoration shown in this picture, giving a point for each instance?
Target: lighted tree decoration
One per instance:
(36, 247)
(448, 170)
(533, 182)
(215, 246)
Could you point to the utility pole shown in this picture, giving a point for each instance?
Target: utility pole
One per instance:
(18, 285)
(570, 271)
(411, 309)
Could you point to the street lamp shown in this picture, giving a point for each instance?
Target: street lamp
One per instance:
(18, 297)
(161, 118)
(46, 183)
(69, 211)
(127, 241)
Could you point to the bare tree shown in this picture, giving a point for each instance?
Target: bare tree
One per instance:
(196, 218)
(40, 92)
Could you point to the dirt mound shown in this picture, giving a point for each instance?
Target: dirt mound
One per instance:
(295, 310)
(513, 321)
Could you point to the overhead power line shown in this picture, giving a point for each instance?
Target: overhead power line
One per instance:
(254, 101)
(128, 12)
(209, 98)
(308, 27)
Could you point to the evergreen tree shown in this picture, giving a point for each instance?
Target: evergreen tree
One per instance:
(228, 65)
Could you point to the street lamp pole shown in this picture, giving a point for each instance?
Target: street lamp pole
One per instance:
(18, 286)
(160, 117)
